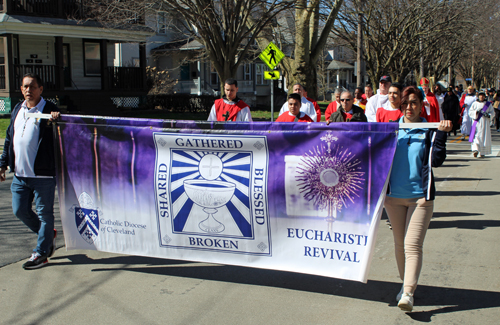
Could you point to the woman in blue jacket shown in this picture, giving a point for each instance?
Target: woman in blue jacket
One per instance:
(409, 203)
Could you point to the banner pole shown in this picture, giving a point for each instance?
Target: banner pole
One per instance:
(401, 125)
(272, 100)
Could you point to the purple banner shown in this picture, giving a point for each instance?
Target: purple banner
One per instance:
(302, 197)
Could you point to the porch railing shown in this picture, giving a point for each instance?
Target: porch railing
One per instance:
(125, 78)
(46, 72)
(2, 77)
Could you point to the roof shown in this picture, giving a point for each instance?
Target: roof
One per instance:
(339, 65)
(181, 45)
(45, 26)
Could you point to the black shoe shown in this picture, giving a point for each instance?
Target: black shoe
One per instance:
(53, 247)
(35, 262)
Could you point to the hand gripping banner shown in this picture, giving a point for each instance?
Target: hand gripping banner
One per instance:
(300, 197)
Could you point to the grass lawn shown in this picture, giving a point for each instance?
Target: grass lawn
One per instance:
(4, 124)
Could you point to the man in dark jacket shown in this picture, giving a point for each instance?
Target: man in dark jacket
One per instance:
(349, 112)
(451, 109)
(29, 154)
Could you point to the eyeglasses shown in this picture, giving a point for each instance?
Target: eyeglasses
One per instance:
(345, 100)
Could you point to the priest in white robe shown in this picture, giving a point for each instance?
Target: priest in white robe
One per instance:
(481, 142)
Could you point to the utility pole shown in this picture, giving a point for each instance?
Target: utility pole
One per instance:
(472, 68)
(421, 49)
(359, 58)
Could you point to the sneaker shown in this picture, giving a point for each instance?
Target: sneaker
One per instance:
(406, 302)
(463, 137)
(475, 154)
(53, 247)
(35, 262)
(400, 294)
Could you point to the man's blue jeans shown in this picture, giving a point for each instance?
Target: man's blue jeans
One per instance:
(42, 190)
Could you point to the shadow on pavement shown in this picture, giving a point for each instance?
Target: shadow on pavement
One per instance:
(379, 291)
(464, 224)
(458, 159)
(454, 214)
(468, 193)
(446, 165)
(460, 179)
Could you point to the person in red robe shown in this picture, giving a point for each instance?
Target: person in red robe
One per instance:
(431, 111)
(333, 106)
(391, 110)
(294, 114)
(230, 108)
(358, 98)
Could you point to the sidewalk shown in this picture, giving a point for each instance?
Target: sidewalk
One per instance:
(458, 284)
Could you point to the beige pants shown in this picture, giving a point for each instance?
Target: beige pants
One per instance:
(410, 219)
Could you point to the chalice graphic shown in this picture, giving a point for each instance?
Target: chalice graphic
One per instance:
(210, 193)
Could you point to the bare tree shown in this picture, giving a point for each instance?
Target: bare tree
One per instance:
(394, 29)
(480, 58)
(313, 20)
(220, 25)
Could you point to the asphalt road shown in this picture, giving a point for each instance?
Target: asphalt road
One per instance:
(458, 284)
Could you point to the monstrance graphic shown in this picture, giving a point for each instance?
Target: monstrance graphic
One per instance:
(217, 182)
(330, 176)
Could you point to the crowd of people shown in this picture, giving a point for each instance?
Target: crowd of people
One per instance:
(463, 109)
(410, 197)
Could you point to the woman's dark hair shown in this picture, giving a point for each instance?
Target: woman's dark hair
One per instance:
(408, 91)
(412, 90)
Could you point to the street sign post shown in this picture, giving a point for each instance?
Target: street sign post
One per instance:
(272, 56)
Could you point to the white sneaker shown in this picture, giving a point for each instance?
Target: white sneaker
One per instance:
(400, 294)
(406, 302)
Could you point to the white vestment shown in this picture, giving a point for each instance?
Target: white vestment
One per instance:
(466, 120)
(374, 103)
(482, 136)
(440, 99)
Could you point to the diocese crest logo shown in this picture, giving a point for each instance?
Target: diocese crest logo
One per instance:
(212, 192)
(86, 218)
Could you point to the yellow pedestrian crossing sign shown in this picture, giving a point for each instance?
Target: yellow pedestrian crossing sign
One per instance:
(271, 56)
(271, 75)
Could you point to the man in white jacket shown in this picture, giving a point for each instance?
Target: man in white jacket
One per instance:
(306, 107)
(379, 99)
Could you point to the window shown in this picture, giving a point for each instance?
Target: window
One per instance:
(185, 69)
(247, 71)
(161, 22)
(259, 71)
(92, 58)
(214, 77)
